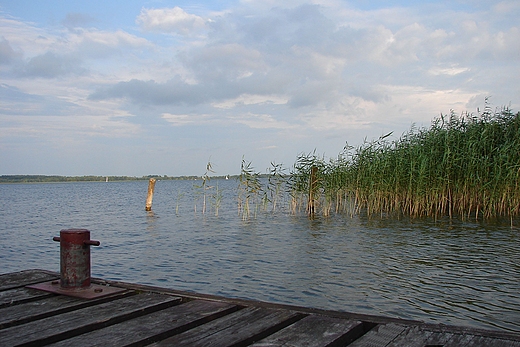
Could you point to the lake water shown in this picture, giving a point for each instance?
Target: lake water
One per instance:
(463, 273)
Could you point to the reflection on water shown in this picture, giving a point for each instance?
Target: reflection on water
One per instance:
(151, 221)
(464, 273)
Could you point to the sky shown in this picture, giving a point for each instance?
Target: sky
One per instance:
(164, 87)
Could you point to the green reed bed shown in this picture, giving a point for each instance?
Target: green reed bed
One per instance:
(467, 165)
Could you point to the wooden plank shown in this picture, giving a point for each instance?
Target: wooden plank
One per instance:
(411, 337)
(57, 328)
(152, 327)
(458, 340)
(243, 327)
(47, 306)
(438, 338)
(379, 336)
(315, 331)
(477, 341)
(20, 295)
(23, 278)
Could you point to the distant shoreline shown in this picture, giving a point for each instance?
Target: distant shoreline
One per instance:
(56, 178)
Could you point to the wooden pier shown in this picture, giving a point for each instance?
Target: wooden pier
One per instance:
(145, 315)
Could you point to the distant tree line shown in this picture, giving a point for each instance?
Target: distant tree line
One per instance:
(45, 178)
(55, 178)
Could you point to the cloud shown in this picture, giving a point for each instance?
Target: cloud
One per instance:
(52, 119)
(150, 92)
(307, 62)
(177, 119)
(17, 102)
(77, 20)
(7, 53)
(449, 71)
(99, 44)
(248, 99)
(506, 7)
(29, 52)
(261, 121)
(298, 54)
(170, 20)
(24, 38)
(117, 39)
(50, 65)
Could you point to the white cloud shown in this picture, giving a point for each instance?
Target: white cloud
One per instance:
(26, 38)
(7, 53)
(116, 39)
(506, 7)
(450, 71)
(50, 65)
(248, 99)
(77, 20)
(177, 119)
(171, 20)
(30, 52)
(260, 121)
(224, 61)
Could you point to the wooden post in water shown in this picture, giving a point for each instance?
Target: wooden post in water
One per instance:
(312, 189)
(149, 198)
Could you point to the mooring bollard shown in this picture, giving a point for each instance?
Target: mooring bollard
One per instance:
(75, 268)
(75, 258)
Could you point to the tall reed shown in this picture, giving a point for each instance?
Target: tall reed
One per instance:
(467, 165)
(204, 187)
(275, 184)
(249, 189)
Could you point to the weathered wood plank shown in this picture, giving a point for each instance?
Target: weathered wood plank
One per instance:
(477, 341)
(47, 306)
(57, 328)
(315, 331)
(458, 340)
(23, 278)
(20, 295)
(379, 336)
(411, 337)
(152, 327)
(438, 338)
(245, 326)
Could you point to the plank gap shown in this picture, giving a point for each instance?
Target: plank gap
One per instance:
(354, 334)
(186, 327)
(271, 330)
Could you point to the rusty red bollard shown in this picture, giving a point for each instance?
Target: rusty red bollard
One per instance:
(75, 268)
(75, 258)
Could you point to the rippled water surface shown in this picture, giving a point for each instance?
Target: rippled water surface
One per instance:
(463, 273)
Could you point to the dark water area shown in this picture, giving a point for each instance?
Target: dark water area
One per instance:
(452, 272)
